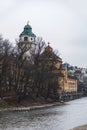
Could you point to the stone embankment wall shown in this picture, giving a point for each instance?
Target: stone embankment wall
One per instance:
(71, 96)
(31, 107)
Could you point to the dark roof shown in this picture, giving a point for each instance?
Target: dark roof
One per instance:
(28, 31)
(49, 54)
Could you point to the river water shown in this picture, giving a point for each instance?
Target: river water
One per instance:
(64, 117)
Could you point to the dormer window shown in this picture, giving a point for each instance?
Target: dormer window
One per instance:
(25, 38)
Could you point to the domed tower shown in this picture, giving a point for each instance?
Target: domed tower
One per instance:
(27, 35)
(27, 41)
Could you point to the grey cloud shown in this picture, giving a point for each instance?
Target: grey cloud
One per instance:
(61, 22)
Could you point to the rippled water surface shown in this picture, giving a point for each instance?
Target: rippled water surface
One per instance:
(64, 117)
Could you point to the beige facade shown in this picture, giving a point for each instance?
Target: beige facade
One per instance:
(67, 84)
(72, 85)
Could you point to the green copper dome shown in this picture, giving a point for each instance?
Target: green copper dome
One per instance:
(28, 31)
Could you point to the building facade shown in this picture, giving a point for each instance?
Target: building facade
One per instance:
(59, 74)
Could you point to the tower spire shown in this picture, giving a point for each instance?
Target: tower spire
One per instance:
(28, 22)
(48, 43)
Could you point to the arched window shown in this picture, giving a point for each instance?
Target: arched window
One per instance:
(25, 38)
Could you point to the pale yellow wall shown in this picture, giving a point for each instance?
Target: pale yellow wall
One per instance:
(72, 85)
(61, 84)
(67, 84)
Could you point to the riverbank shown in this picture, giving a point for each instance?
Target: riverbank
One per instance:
(84, 127)
(37, 106)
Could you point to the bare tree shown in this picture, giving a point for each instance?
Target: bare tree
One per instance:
(5, 65)
(46, 72)
(28, 70)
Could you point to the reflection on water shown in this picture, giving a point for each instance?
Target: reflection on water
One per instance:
(55, 118)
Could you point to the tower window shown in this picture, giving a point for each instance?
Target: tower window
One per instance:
(31, 39)
(25, 38)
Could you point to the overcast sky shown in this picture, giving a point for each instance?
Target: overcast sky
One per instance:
(63, 23)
